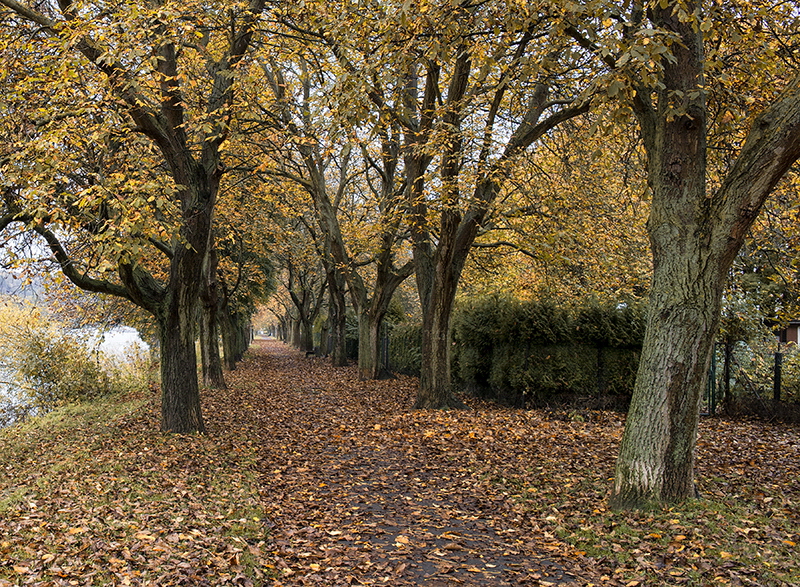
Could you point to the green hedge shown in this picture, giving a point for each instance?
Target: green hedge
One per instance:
(405, 345)
(534, 351)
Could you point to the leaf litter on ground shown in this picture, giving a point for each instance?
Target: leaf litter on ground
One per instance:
(308, 476)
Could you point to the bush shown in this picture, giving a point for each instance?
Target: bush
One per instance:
(531, 351)
(45, 365)
(405, 346)
(56, 368)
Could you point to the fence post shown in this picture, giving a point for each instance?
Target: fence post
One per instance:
(776, 385)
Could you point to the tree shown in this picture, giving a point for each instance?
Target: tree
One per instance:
(471, 86)
(166, 73)
(570, 222)
(349, 167)
(665, 54)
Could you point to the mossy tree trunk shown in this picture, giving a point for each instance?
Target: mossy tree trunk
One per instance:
(694, 238)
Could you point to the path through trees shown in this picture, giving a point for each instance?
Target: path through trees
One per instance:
(361, 489)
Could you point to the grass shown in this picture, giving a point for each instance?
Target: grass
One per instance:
(92, 493)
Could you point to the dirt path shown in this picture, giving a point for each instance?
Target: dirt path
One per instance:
(361, 490)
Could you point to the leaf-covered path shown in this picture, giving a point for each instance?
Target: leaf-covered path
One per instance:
(361, 490)
(308, 476)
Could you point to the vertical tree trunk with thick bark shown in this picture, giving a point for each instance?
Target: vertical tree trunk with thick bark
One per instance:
(213, 376)
(656, 456)
(337, 319)
(306, 336)
(369, 341)
(180, 393)
(210, 359)
(294, 338)
(694, 239)
(440, 284)
(180, 398)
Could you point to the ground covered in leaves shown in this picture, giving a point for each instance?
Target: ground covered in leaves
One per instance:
(309, 477)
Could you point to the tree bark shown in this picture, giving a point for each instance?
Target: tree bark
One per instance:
(435, 387)
(213, 376)
(694, 239)
(369, 349)
(210, 359)
(337, 319)
(294, 338)
(180, 398)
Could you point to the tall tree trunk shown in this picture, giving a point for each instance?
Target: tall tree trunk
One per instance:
(213, 376)
(440, 285)
(180, 393)
(294, 339)
(656, 459)
(337, 320)
(210, 359)
(306, 336)
(369, 344)
(694, 239)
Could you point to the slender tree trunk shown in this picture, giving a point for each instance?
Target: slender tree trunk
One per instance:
(324, 339)
(213, 376)
(226, 329)
(295, 333)
(306, 336)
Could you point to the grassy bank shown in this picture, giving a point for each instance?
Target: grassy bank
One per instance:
(93, 494)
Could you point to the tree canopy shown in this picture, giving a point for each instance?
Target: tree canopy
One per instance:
(191, 158)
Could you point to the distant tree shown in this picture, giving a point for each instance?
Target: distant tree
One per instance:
(471, 87)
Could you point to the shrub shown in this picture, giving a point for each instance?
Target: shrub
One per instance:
(45, 365)
(530, 351)
(405, 354)
(56, 368)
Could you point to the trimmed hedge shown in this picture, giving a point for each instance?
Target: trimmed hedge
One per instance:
(531, 351)
(522, 352)
(405, 344)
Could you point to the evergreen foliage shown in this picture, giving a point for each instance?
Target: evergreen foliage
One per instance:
(405, 346)
(533, 351)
